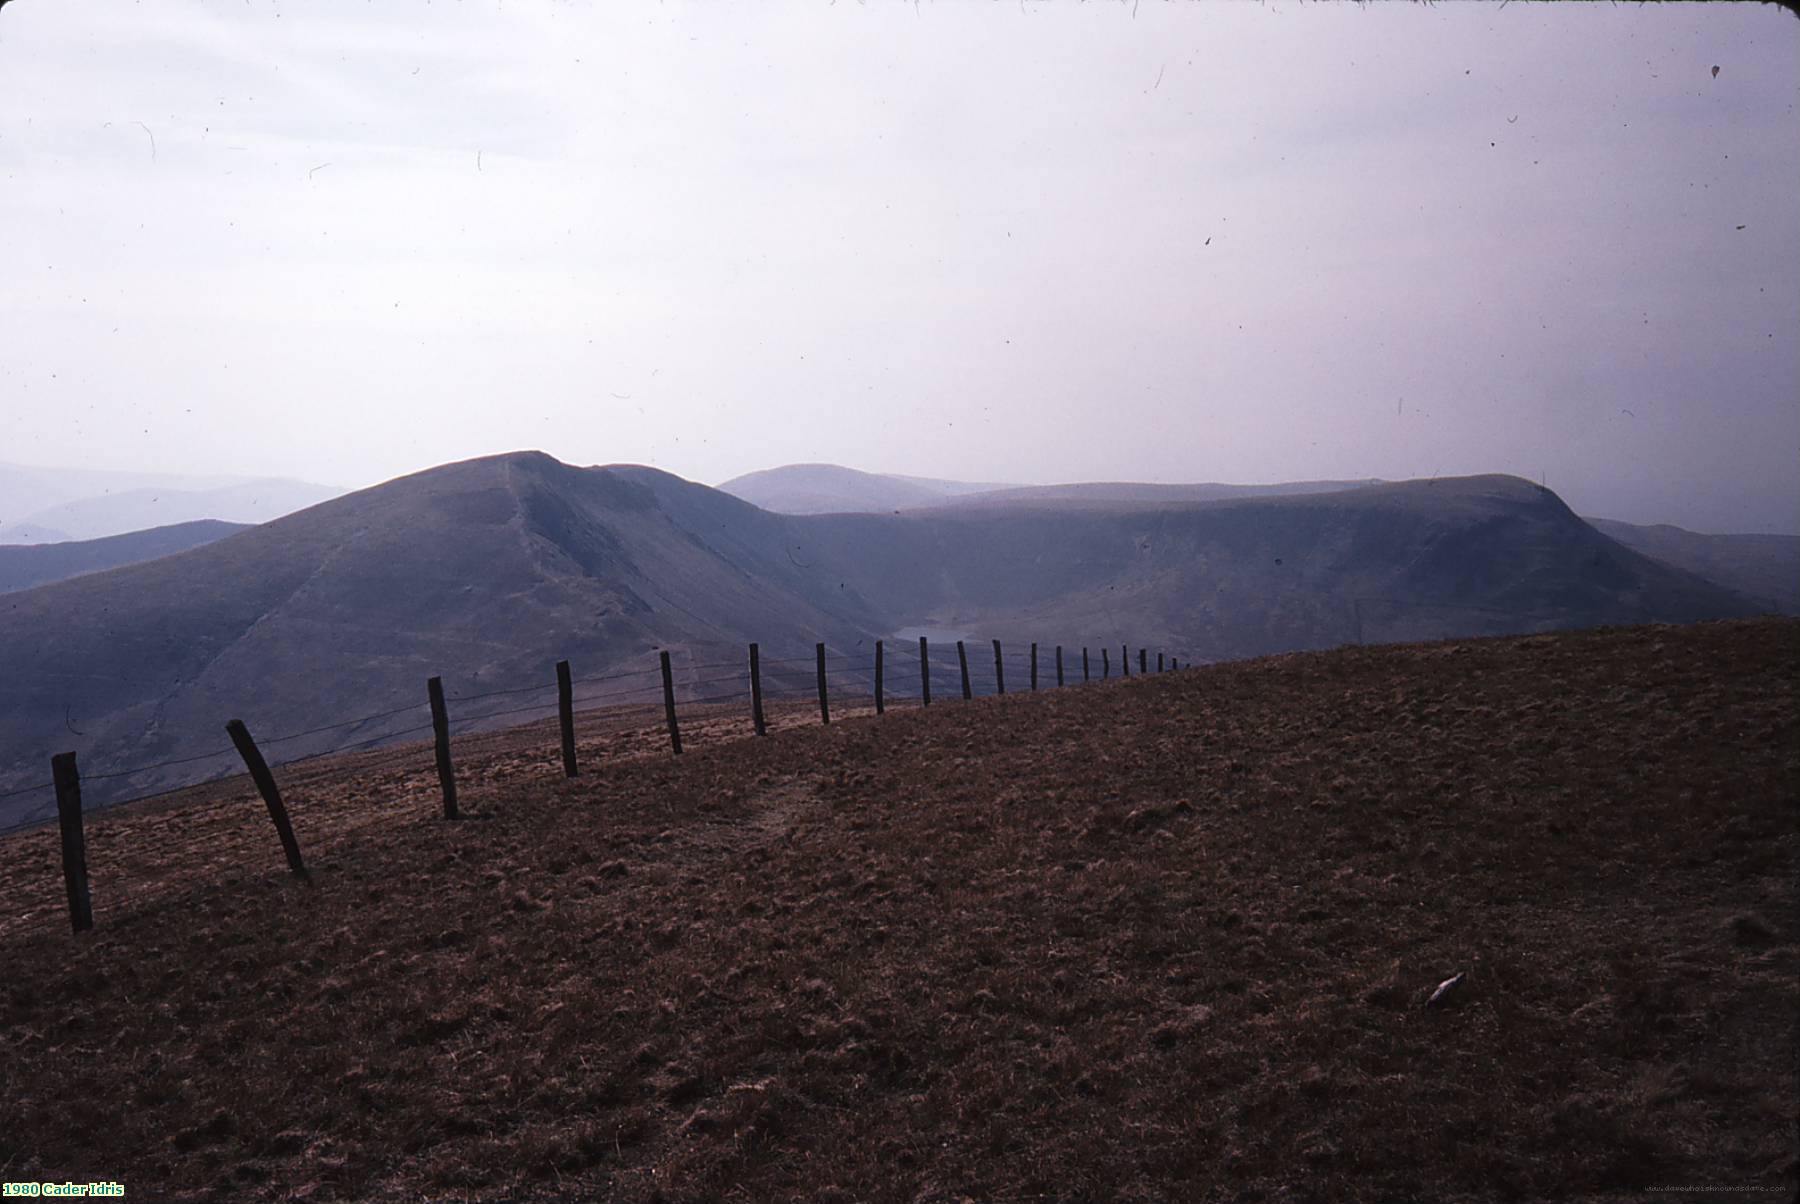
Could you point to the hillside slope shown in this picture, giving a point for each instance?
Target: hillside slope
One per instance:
(25, 566)
(1166, 939)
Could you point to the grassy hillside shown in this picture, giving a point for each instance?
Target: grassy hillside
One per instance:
(1166, 938)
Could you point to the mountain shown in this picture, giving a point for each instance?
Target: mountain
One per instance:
(140, 508)
(1764, 568)
(486, 572)
(1248, 576)
(22, 567)
(831, 489)
(489, 571)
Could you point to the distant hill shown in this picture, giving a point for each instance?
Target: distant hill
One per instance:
(1143, 493)
(27, 490)
(489, 571)
(22, 567)
(140, 508)
(1764, 568)
(832, 489)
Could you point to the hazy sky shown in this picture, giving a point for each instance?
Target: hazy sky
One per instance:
(1032, 242)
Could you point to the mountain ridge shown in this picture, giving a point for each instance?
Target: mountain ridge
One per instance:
(488, 571)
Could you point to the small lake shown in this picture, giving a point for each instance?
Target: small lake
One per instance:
(937, 635)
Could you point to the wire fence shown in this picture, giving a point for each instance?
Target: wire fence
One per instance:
(889, 672)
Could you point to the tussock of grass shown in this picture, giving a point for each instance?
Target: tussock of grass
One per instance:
(1163, 938)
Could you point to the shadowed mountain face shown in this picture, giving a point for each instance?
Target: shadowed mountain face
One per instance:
(489, 571)
(24, 566)
(1764, 568)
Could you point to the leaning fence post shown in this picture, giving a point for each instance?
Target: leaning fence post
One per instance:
(999, 670)
(924, 672)
(440, 730)
(1034, 665)
(669, 704)
(880, 709)
(265, 785)
(74, 843)
(565, 709)
(1105, 665)
(756, 711)
(824, 705)
(962, 658)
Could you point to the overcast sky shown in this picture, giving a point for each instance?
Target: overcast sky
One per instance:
(1032, 242)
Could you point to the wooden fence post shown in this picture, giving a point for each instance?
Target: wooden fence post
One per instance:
(756, 711)
(880, 707)
(824, 704)
(1105, 665)
(1034, 664)
(962, 657)
(668, 673)
(565, 709)
(1143, 661)
(440, 730)
(1125, 660)
(74, 842)
(1059, 680)
(1085, 675)
(1159, 664)
(924, 671)
(999, 669)
(265, 785)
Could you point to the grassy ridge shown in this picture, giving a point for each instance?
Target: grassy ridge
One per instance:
(1160, 938)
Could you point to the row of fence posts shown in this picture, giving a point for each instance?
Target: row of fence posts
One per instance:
(67, 779)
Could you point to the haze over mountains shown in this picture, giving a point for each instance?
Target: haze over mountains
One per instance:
(489, 571)
(50, 506)
(834, 489)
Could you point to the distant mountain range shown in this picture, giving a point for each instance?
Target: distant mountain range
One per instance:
(52, 506)
(834, 489)
(23, 566)
(488, 571)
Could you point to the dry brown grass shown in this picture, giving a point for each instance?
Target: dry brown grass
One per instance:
(1155, 939)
